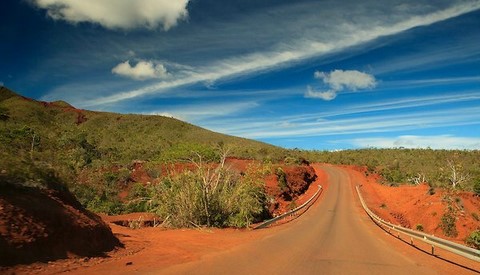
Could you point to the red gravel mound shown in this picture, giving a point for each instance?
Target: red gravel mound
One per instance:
(45, 224)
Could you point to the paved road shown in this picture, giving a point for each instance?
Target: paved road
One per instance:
(333, 237)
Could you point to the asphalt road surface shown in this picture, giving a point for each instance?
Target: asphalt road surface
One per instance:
(333, 237)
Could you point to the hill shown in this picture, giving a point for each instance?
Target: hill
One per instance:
(117, 137)
(94, 153)
(63, 137)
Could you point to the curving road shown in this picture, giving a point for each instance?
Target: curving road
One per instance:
(334, 237)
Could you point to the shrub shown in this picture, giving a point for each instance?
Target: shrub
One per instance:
(209, 197)
(419, 227)
(282, 178)
(476, 188)
(473, 240)
(138, 198)
(447, 223)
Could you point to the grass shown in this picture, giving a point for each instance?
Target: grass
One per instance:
(400, 165)
(53, 144)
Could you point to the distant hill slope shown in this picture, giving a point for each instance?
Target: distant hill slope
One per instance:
(61, 129)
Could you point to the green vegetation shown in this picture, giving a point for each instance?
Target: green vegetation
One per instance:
(419, 227)
(447, 223)
(281, 178)
(91, 153)
(204, 197)
(476, 187)
(473, 239)
(454, 169)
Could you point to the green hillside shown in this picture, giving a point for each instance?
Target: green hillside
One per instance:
(56, 138)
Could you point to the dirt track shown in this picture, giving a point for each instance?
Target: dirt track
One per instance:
(334, 237)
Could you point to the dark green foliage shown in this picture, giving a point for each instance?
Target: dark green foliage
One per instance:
(398, 166)
(138, 198)
(99, 198)
(447, 223)
(473, 240)
(476, 188)
(91, 151)
(281, 178)
(419, 227)
(206, 197)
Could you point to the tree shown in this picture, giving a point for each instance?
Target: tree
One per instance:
(457, 176)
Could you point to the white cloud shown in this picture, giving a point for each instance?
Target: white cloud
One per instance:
(340, 80)
(327, 95)
(434, 142)
(118, 14)
(141, 71)
(362, 118)
(283, 51)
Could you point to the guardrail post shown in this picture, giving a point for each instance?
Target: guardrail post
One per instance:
(411, 240)
(433, 249)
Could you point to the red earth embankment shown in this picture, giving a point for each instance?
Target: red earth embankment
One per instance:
(154, 248)
(418, 207)
(47, 224)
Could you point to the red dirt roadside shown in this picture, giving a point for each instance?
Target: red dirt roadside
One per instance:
(153, 248)
(411, 206)
(148, 249)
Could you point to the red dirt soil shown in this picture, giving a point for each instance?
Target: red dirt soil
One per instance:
(147, 249)
(410, 205)
(47, 224)
(154, 248)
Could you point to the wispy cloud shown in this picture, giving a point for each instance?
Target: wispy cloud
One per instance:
(114, 14)
(348, 126)
(339, 80)
(205, 111)
(287, 52)
(416, 113)
(410, 141)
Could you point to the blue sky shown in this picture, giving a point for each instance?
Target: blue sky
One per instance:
(299, 74)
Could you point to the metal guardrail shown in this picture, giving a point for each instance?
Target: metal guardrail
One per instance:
(291, 212)
(465, 251)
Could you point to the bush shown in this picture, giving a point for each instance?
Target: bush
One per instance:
(476, 188)
(447, 223)
(419, 227)
(281, 178)
(474, 239)
(209, 197)
(138, 198)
